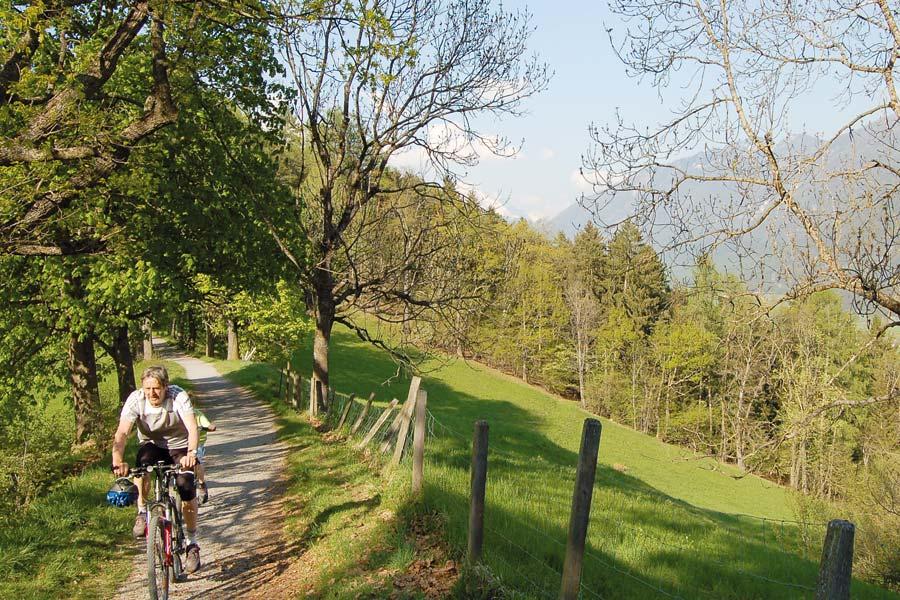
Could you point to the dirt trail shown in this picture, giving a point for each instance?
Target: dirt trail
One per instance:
(239, 533)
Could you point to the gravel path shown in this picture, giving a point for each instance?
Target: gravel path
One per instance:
(239, 531)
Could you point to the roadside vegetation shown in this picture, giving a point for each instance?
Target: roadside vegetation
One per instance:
(352, 532)
(65, 541)
(228, 175)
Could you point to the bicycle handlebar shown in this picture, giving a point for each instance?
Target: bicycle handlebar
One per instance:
(162, 469)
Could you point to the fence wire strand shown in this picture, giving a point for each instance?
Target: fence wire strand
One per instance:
(730, 567)
(632, 576)
(433, 425)
(523, 550)
(540, 589)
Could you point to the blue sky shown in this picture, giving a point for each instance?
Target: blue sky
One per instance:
(588, 85)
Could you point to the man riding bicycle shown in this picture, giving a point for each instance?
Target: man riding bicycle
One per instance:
(167, 432)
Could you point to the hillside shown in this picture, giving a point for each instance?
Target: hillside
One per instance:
(664, 523)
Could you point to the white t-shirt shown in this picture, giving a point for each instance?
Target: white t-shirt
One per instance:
(164, 424)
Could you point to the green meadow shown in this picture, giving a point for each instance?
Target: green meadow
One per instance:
(664, 523)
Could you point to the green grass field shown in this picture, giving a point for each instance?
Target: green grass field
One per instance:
(69, 543)
(664, 523)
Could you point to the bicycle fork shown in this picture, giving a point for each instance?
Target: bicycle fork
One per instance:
(167, 528)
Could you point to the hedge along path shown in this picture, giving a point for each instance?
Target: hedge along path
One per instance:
(241, 546)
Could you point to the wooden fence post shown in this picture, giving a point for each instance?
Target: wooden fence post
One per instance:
(362, 416)
(407, 414)
(297, 396)
(478, 483)
(280, 382)
(418, 475)
(581, 510)
(384, 417)
(313, 407)
(836, 568)
(346, 411)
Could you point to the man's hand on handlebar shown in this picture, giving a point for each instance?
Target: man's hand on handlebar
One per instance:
(188, 461)
(121, 469)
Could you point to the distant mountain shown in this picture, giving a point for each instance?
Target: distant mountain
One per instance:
(846, 149)
(766, 247)
(569, 221)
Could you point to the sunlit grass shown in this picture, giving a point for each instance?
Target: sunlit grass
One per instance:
(343, 518)
(664, 522)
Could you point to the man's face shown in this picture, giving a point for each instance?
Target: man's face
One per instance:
(154, 391)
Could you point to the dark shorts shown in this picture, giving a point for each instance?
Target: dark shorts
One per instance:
(149, 454)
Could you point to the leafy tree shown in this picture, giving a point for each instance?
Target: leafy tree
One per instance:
(816, 371)
(82, 84)
(634, 277)
(582, 289)
(683, 351)
(275, 324)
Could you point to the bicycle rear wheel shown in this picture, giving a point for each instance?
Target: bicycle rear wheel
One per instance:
(157, 567)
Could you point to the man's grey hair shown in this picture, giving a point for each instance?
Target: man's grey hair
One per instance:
(158, 373)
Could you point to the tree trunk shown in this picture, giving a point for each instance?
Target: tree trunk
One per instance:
(148, 339)
(581, 386)
(85, 394)
(324, 313)
(804, 479)
(459, 336)
(192, 332)
(209, 340)
(723, 452)
(634, 410)
(124, 361)
(739, 431)
(233, 353)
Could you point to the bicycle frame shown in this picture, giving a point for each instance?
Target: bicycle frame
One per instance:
(166, 504)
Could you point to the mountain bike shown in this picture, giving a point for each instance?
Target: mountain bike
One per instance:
(165, 529)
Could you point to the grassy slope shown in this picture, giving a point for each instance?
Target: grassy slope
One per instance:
(70, 543)
(349, 527)
(670, 520)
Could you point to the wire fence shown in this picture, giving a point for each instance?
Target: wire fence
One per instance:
(595, 560)
(520, 575)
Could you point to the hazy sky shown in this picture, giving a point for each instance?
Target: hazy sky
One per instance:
(588, 85)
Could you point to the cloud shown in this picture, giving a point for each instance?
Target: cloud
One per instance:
(533, 207)
(448, 138)
(412, 159)
(587, 180)
(494, 201)
(579, 181)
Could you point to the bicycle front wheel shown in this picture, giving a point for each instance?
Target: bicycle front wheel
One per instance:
(157, 565)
